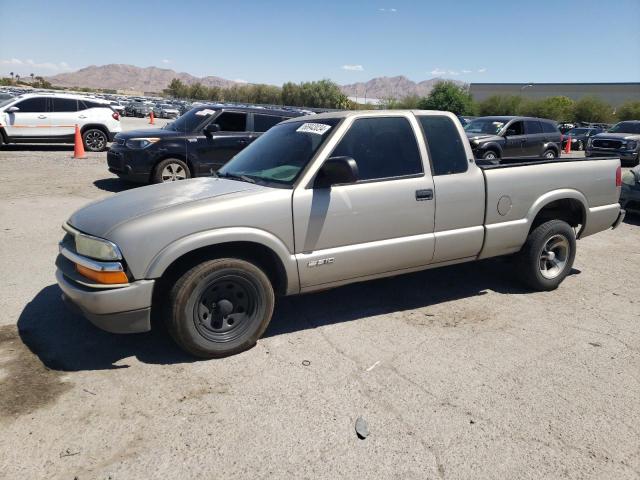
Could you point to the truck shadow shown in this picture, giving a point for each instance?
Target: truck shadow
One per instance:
(114, 185)
(38, 147)
(65, 341)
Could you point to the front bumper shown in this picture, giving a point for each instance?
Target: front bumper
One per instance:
(133, 165)
(117, 310)
(624, 155)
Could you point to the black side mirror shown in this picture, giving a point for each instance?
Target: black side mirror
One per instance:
(336, 171)
(211, 129)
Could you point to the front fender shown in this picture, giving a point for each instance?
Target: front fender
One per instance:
(493, 145)
(187, 244)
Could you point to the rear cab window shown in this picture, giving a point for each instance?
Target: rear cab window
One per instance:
(444, 143)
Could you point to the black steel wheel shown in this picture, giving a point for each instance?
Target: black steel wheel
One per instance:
(220, 307)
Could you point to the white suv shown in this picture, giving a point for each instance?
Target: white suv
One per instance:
(48, 118)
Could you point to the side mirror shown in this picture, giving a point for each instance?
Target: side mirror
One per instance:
(336, 171)
(211, 129)
(12, 110)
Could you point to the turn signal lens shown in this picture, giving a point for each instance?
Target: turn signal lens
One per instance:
(619, 177)
(107, 278)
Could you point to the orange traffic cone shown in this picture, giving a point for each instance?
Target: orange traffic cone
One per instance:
(567, 148)
(78, 146)
(151, 122)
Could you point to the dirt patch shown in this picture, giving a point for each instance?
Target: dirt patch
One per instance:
(26, 384)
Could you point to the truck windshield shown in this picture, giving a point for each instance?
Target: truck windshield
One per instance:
(484, 125)
(626, 127)
(188, 122)
(280, 154)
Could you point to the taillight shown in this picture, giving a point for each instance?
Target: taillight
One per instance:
(619, 176)
(115, 115)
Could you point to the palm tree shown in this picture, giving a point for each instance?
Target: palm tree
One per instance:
(18, 78)
(11, 73)
(32, 75)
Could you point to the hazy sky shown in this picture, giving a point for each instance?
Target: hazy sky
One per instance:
(347, 41)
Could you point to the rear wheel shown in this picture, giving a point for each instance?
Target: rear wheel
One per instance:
(549, 154)
(170, 170)
(220, 307)
(94, 140)
(547, 256)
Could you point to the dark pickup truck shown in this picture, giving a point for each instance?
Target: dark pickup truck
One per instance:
(499, 138)
(622, 140)
(196, 144)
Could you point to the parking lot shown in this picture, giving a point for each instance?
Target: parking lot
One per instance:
(459, 372)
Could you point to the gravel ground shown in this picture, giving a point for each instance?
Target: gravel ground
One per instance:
(459, 372)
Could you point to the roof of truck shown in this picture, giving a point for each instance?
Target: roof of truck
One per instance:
(374, 113)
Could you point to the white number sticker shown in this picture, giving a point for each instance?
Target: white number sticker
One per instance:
(317, 128)
(205, 112)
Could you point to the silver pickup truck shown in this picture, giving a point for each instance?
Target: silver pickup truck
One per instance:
(315, 203)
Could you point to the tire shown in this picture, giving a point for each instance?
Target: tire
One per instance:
(537, 268)
(549, 154)
(94, 140)
(491, 157)
(170, 170)
(580, 146)
(220, 307)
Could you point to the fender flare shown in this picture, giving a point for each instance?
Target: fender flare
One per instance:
(163, 259)
(483, 147)
(560, 194)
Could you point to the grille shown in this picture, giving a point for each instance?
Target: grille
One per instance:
(613, 144)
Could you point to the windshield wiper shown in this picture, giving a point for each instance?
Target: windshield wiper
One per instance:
(236, 176)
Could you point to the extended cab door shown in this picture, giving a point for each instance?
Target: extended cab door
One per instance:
(459, 189)
(30, 121)
(382, 223)
(217, 149)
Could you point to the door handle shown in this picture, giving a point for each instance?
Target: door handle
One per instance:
(82, 116)
(42, 116)
(426, 194)
(242, 142)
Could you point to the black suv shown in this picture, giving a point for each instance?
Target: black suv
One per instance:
(500, 138)
(196, 144)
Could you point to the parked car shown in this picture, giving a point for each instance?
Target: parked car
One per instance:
(622, 140)
(138, 109)
(630, 195)
(51, 118)
(196, 144)
(117, 106)
(314, 203)
(579, 137)
(166, 110)
(494, 139)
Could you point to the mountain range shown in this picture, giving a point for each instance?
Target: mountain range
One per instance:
(154, 79)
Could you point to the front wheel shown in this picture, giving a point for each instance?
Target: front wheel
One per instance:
(547, 256)
(220, 307)
(170, 170)
(549, 154)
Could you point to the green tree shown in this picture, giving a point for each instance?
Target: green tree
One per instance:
(629, 111)
(197, 91)
(500, 105)
(592, 109)
(177, 89)
(556, 108)
(449, 97)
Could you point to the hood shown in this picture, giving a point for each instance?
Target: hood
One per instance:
(99, 218)
(483, 137)
(618, 136)
(147, 132)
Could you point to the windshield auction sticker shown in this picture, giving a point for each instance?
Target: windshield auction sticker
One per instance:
(205, 112)
(317, 128)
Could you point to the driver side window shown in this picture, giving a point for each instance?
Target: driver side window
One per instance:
(516, 128)
(232, 121)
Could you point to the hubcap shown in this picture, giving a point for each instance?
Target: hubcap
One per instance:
(225, 308)
(95, 140)
(554, 255)
(490, 156)
(173, 172)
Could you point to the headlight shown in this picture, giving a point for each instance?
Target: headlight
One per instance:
(628, 178)
(139, 143)
(93, 247)
(631, 145)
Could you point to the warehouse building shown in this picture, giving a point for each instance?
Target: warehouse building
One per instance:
(614, 94)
